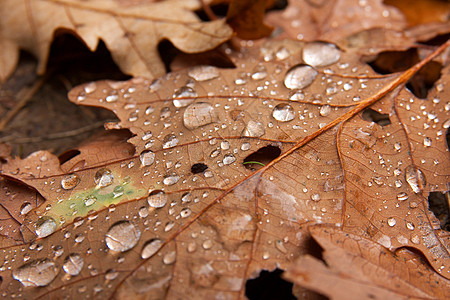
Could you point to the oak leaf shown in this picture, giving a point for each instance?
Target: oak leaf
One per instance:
(231, 167)
(131, 32)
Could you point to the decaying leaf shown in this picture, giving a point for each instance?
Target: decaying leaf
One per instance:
(358, 268)
(231, 167)
(130, 31)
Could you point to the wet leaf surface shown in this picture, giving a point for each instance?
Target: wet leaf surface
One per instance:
(186, 216)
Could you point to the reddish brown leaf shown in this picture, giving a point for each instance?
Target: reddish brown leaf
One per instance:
(246, 18)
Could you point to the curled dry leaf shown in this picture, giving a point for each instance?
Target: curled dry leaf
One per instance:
(130, 32)
(366, 269)
(192, 215)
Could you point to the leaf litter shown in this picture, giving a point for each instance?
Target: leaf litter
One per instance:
(151, 225)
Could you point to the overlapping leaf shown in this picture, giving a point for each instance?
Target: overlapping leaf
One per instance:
(188, 215)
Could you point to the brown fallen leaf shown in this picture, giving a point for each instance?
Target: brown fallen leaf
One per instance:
(194, 214)
(358, 268)
(246, 18)
(130, 31)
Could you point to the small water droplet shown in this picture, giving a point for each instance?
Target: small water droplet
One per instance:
(25, 208)
(70, 181)
(88, 201)
(143, 212)
(319, 54)
(103, 177)
(122, 236)
(246, 146)
(415, 239)
(254, 129)
(300, 77)
(185, 212)
(207, 244)
(198, 114)
(73, 264)
(111, 275)
(170, 258)
(398, 146)
(410, 225)
(427, 142)
(280, 246)
(315, 197)
(90, 87)
(147, 158)
(325, 110)
(36, 273)
(170, 141)
(391, 222)
(169, 226)
(225, 145)
(150, 248)
(283, 113)
(229, 159)
(259, 73)
(184, 92)
(45, 226)
(415, 178)
(171, 179)
(191, 247)
(402, 196)
(118, 191)
(157, 199)
(203, 73)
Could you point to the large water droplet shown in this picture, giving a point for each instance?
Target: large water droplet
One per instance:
(151, 248)
(170, 141)
(122, 236)
(184, 92)
(254, 129)
(157, 199)
(198, 114)
(319, 54)
(68, 182)
(171, 179)
(300, 77)
(36, 273)
(415, 178)
(203, 73)
(147, 158)
(73, 264)
(283, 113)
(45, 226)
(103, 177)
(229, 159)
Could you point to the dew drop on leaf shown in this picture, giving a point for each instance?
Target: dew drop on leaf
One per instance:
(254, 129)
(25, 208)
(325, 110)
(45, 226)
(70, 181)
(198, 114)
(207, 244)
(315, 197)
(170, 141)
(402, 196)
(203, 73)
(415, 178)
(319, 54)
(170, 258)
(122, 236)
(36, 273)
(111, 275)
(410, 225)
(171, 179)
(185, 212)
(118, 191)
(73, 264)
(427, 142)
(88, 201)
(90, 87)
(184, 92)
(157, 199)
(147, 158)
(283, 113)
(300, 77)
(103, 177)
(229, 159)
(391, 222)
(151, 248)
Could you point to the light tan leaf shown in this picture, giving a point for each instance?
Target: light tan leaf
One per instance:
(130, 32)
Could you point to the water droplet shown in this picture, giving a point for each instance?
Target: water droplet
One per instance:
(122, 236)
(90, 87)
(25, 208)
(259, 72)
(36, 273)
(73, 264)
(300, 77)
(171, 179)
(315, 197)
(229, 159)
(185, 212)
(280, 246)
(415, 178)
(398, 146)
(203, 73)
(68, 182)
(254, 129)
(151, 248)
(207, 244)
(170, 258)
(198, 114)
(427, 142)
(186, 198)
(79, 238)
(143, 212)
(169, 226)
(191, 247)
(88, 201)
(391, 222)
(103, 177)
(147, 158)
(410, 225)
(118, 191)
(111, 275)
(111, 98)
(282, 53)
(415, 239)
(319, 54)
(246, 146)
(157, 199)
(283, 113)
(325, 110)
(170, 141)
(184, 92)
(225, 145)
(402, 196)
(45, 226)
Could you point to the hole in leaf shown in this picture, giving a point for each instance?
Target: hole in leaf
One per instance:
(269, 285)
(398, 61)
(371, 115)
(439, 204)
(262, 157)
(220, 10)
(68, 155)
(198, 168)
